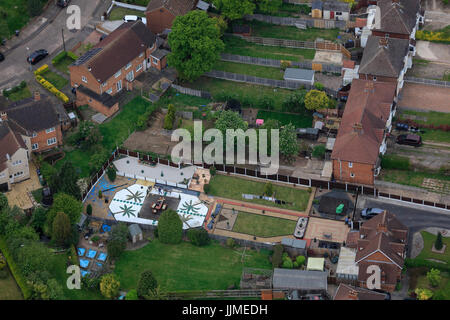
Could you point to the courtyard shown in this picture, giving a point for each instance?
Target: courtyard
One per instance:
(326, 230)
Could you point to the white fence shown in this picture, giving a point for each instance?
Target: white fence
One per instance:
(164, 182)
(430, 82)
(128, 6)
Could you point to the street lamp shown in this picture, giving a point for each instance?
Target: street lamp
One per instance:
(29, 60)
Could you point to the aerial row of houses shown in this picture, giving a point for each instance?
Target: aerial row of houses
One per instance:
(371, 104)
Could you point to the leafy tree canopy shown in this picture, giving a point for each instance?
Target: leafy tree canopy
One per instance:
(235, 9)
(316, 99)
(170, 227)
(288, 142)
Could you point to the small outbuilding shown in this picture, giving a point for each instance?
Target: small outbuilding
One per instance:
(316, 9)
(294, 247)
(308, 133)
(303, 280)
(336, 10)
(315, 264)
(299, 75)
(135, 233)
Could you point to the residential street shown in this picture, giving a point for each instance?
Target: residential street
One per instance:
(15, 68)
(414, 217)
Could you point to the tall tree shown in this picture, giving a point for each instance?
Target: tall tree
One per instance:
(170, 227)
(316, 99)
(288, 142)
(65, 203)
(3, 202)
(109, 286)
(230, 120)
(147, 284)
(269, 6)
(438, 244)
(61, 230)
(66, 181)
(235, 9)
(195, 43)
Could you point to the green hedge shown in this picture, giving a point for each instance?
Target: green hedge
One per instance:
(416, 263)
(7, 93)
(60, 56)
(395, 162)
(21, 282)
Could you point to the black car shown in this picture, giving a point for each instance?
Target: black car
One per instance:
(63, 3)
(409, 139)
(401, 126)
(37, 56)
(2, 57)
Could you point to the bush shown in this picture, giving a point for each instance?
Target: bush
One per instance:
(147, 283)
(109, 286)
(230, 243)
(112, 174)
(285, 64)
(287, 264)
(170, 117)
(212, 171)
(300, 260)
(395, 162)
(319, 86)
(170, 227)
(277, 255)
(7, 93)
(434, 277)
(268, 189)
(319, 151)
(438, 244)
(198, 237)
(132, 295)
(89, 210)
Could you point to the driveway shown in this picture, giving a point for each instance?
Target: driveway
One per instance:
(415, 217)
(423, 97)
(437, 52)
(15, 68)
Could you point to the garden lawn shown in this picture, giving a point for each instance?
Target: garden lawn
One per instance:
(248, 94)
(118, 13)
(410, 178)
(263, 226)
(429, 240)
(433, 118)
(9, 289)
(63, 64)
(37, 195)
(55, 79)
(233, 188)
(17, 16)
(299, 121)
(20, 95)
(235, 45)
(187, 267)
(267, 30)
(250, 69)
(114, 132)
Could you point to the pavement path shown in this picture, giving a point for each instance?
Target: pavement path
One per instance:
(45, 33)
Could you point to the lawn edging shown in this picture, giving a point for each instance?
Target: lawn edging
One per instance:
(20, 280)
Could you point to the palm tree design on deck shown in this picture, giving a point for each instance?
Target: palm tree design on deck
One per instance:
(190, 208)
(127, 211)
(185, 218)
(135, 197)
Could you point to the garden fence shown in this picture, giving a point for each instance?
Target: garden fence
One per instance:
(322, 184)
(431, 82)
(307, 64)
(192, 92)
(293, 85)
(129, 6)
(307, 2)
(290, 21)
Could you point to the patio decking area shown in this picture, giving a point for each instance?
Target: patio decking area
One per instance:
(133, 167)
(326, 229)
(147, 210)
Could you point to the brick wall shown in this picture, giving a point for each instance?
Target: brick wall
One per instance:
(159, 20)
(42, 138)
(362, 173)
(390, 34)
(370, 77)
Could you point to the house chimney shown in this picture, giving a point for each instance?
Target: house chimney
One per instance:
(353, 295)
(4, 116)
(358, 128)
(37, 96)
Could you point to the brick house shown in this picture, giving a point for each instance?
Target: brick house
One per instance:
(385, 59)
(348, 292)
(397, 18)
(381, 242)
(362, 134)
(38, 121)
(113, 64)
(161, 13)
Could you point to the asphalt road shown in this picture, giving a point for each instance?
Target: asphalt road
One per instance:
(414, 217)
(15, 67)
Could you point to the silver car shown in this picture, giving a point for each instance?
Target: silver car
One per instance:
(370, 212)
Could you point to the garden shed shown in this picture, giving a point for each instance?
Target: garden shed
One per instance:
(135, 233)
(315, 264)
(316, 9)
(294, 247)
(299, 75)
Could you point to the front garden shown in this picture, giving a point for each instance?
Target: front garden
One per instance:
(18, 93)
(233, 188)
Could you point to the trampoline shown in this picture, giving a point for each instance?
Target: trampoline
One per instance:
(105, 228)
(102, 256)
(84, 263)
(91, 254)
(81, 251)
(84, 273)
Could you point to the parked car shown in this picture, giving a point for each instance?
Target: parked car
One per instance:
(62, 3)
(349, 44)
(37, 56)
(409, 139)
(131, 18)
(2, 57)
(401, 126)
(368, 213)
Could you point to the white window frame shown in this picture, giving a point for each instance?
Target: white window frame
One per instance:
(128, 66)
(35, 146)
(350, 164)
(34, 135)
(84, 79)
(17, 162)
(154, 60)
(50, 130)
(104, 84)
(118, 73)
(139, 67)
(109, 91)
(119, 86)
(141, 55)
(51, 141)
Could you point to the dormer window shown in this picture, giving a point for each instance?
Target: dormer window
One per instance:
(118, 74)
(83, 78)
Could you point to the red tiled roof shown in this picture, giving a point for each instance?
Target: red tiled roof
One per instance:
(362, 127)
(347, 292)
(177, 7)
